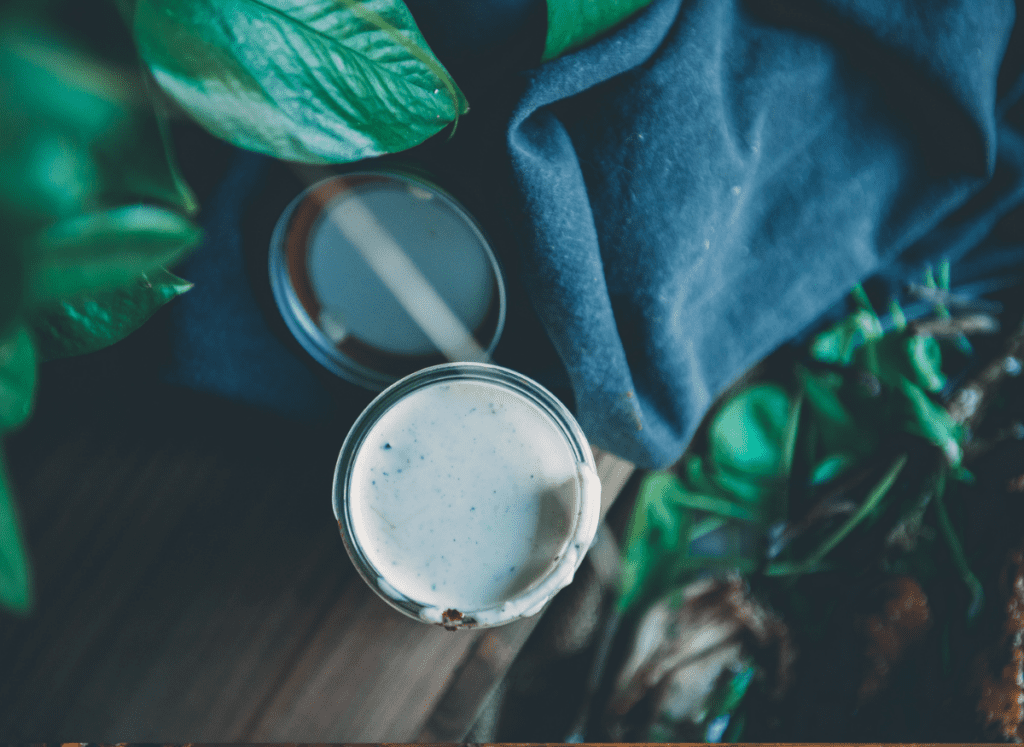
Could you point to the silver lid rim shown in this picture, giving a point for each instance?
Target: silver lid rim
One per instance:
(305, 330)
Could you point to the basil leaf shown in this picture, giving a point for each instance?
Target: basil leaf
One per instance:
(573, 23)
(15, 574)
(86, 324)
(17, 378)
(319, 81)
(106, 249)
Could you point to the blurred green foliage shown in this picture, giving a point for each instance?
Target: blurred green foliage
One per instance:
(91, 210)
(842, 409)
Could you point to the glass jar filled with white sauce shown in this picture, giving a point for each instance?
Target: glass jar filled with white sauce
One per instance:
(466, 495)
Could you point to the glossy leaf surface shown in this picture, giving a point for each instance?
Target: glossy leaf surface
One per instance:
(656, 532)
(86, 324)
(17, 378)
(748, 434)
(103, 250)
(15, 575)
(320, 81)
(573, 23)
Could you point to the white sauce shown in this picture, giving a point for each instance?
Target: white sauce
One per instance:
(464, 494)
(438, 240)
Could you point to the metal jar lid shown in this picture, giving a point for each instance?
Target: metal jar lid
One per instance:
(381, 273)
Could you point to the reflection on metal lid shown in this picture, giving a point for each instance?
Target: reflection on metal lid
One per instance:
(379, 274)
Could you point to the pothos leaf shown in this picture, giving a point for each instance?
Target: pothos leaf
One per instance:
(17, 378)
(15, 572)
(86, 324)
(141, 165)
(318, 81)
(106, 249)
(572, 23)
(54, 104)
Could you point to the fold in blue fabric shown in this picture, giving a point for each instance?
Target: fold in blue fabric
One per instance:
(695, 189)
(705, 182)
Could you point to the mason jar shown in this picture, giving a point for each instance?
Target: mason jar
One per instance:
(466, 495)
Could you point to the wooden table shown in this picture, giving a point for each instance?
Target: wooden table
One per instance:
(192, 585)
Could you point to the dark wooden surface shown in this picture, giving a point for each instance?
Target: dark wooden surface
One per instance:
(192, 586)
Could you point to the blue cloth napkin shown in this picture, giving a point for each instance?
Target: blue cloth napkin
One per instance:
(684, 196)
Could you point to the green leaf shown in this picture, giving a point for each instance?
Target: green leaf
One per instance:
(899, 319)
(11, 290)
(141, 166)
(711, 504)
(925, 358)
(748, 435)
(839, 430)
(656, 531)
(53, 104)
(735, 730)
(103, 250)
(704, 527)
(696, 479)
(871, 501)
(831, 467)
(838, 343)
(750, 488)
(795, 568)
(75, 135)
(727, 696)
(17, 378)
(15, 573)
(573, 23)
(86, 324)
(928, 420)
(959, 557)
(317, 81)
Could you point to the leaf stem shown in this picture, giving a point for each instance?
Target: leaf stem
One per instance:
(869, 504)
(959, 558)
(704, 527)
(715, 505)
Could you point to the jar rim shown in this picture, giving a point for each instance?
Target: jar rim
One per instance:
(578, 539)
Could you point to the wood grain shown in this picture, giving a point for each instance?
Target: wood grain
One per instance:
(192, 587)
(494, 651)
